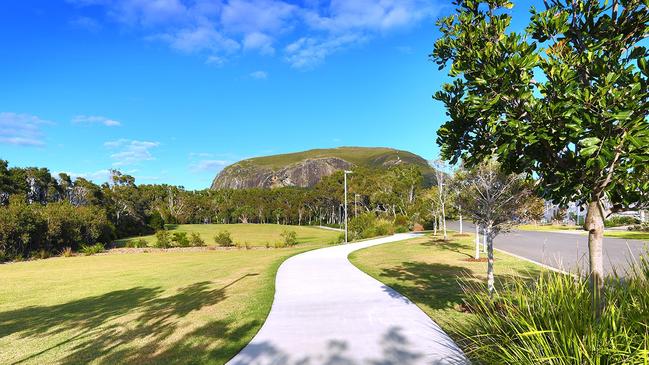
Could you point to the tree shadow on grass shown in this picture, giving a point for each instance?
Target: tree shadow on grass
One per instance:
(105, 325)
(433, 284)
(454, 246)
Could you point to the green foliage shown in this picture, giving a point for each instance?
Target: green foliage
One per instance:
(581, 127)
(617, 221)
(196, 240)
(162, 239)
(550, 321)
(92, 249)
(290, 238)
(368, 225)
(223, 239)
(180, 239)
(137, 243)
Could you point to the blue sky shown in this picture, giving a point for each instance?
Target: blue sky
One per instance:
(171, 91)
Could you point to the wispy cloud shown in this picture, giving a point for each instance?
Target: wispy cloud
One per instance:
(308, 32)
(95, 119)
(21, 129)
(209, 165)
(259, 75)
(130, 152)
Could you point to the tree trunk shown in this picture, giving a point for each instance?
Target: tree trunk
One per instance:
(443, 222)
(477, 243)
(595, 226)
(435, 226)
(490, 261)
(484, 240)
(461, 230)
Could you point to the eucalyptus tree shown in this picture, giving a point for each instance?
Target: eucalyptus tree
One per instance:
(565, 102)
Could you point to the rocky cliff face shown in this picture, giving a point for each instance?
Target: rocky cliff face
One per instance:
(305, 173)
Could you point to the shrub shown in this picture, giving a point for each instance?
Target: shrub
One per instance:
(401, 229)
(92, 249)
(367, 225)
(196, 240)
(280, 244)
(223, 239)
(290, 238)
(162, 239)
(620, 221)
(137, 243)
(550, 321)
(40, 254)
(642, 227)
(67, 252)
(180, 239)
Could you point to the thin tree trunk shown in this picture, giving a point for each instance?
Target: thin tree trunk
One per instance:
(595, 226)
(435, 226)
(477, 243)
(484, 240)
(490, 262)
(461, 230)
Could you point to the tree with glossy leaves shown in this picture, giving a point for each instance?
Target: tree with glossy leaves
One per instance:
(566, 102)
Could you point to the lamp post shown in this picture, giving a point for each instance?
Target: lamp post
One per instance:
(345, 173)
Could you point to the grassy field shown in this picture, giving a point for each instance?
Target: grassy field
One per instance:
(157, 307)
(426, 270)
(254, 234)
(629, 235)
(361, 156)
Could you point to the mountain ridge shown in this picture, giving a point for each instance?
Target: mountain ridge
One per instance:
(307, 168)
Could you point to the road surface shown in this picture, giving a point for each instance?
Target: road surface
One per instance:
(326, 311)
(564, 251)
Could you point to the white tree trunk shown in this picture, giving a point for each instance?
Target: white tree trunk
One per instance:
(490, 261)
(444, 222)
(484, 240)
(477, 243)
(461, 231)
(435, 226)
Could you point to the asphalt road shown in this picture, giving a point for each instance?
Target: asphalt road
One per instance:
(564, 251)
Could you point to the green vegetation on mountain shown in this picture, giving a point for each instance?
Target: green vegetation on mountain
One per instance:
(307, 168)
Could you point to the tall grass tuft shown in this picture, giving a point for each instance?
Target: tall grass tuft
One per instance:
(550, 321)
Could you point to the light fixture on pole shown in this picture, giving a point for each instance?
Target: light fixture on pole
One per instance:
(345, 173)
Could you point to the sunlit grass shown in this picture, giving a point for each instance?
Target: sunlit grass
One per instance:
(253, 234)
(156, 307)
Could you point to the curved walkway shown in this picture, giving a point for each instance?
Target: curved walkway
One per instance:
(326, 311)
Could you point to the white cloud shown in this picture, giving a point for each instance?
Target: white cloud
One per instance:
(129, 152)
(209, 165)
(260, 42)
(306, 53)
(95, 119)
(215, 60)
(220, 28)
(21, 129)
(99, 175)
(259, 75)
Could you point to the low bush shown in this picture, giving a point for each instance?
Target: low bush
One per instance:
(550, 321)
(367, 225)
(92, 249)
(162, 239)
(245, 245)
(40, 254)
(223, 239)
(67, 252)
(180, 239)
(618, 221)
(642, 227)
(196, 240)
(290, 238)
(138, 243)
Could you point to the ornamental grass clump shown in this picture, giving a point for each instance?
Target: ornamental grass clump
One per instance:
(551, 321)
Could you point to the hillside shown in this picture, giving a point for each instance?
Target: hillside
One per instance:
(307, 168)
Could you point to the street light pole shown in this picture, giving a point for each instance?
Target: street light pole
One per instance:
(345, 173)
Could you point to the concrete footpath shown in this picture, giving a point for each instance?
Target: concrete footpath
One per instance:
(326, 311)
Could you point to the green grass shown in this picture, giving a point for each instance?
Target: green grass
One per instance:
(362, 156)
(254, 234)
(629, 235)
(427, 269)
(547, 227)
(156, 307)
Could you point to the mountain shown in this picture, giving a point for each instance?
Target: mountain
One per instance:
(307, 168)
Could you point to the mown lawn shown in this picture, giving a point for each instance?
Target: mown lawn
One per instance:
(628, 235)
(253, 234)
(156, 307)
(427, 269)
